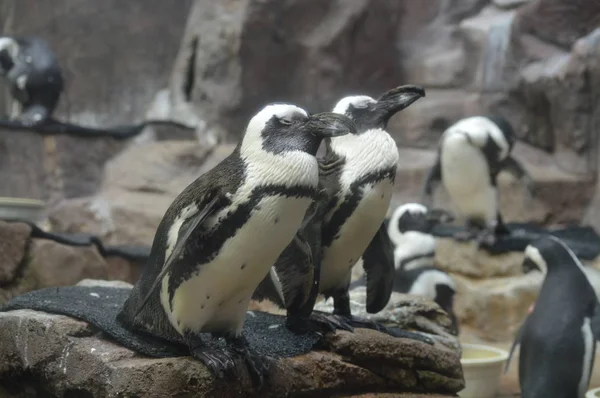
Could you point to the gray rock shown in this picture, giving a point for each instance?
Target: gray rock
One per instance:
(87, 37)
(249, 53)
(14, 239)
(63, 356)
(406, 312)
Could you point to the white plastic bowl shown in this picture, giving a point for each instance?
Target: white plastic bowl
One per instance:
(21, 209)
(482, 368)
(595, 393)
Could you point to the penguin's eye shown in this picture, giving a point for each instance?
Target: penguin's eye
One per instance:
(285, 121)
(361, 105)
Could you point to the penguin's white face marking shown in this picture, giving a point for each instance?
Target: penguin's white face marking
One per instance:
(588, 355)
(533, 254)
(357, 101)
(6, 43)
(393, 230)
(286, 114)
(425, 284)
(369, 151)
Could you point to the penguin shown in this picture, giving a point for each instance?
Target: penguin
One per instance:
(219, 237)
(357, 175)
(558, 338)
(470, 155)
(34, 76)
(409, 229)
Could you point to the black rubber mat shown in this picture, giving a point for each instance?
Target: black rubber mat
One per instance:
(99, 306)
(583, 240)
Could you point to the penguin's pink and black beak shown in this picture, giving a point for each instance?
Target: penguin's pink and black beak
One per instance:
(396, 100)
(329, 124)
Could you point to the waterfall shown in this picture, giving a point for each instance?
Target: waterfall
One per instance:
(496, 55)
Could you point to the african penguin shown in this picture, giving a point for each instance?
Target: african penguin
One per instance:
(220, 236)
(471, 153)
(409, 229)
(34, 76)
(357, 176)
(558, 338)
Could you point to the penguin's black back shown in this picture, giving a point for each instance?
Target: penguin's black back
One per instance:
(552, 345)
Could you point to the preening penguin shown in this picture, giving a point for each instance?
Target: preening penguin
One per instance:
(471, 154)
(558, 338)
(220, 236)
(34, 76)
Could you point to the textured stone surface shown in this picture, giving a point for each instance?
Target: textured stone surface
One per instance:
(560, 22)
(14, 239)
(317, 52)
(115, 57)
(64, 356)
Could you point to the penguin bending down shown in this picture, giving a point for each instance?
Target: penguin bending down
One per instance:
(409, 230)
(34, 76)
(357, 174)
(471, 153)
(220, 236)
(558, 338)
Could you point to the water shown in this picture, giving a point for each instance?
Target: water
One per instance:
(496, 56)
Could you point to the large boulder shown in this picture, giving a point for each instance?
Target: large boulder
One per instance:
(115, 58)
(64, 356)
(238, 56)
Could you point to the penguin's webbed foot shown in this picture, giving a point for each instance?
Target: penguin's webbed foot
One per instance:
(258, 366)
(395, 332)
(332, 321)
(220, 362)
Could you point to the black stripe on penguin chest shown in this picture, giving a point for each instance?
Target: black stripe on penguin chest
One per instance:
(204, 246)
(350, 202)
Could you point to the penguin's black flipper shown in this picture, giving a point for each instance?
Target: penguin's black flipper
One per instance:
(515, 343)
(433, 178)
(378, 263)
(595, 322)
(188, 227)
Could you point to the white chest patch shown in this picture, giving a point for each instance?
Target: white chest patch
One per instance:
(366, 153)
(411, 244)
(355, 235)
(465, 175)
(216, 297)
(589, 344)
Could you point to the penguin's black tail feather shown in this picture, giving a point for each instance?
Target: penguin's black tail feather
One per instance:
(99, 305)
(583, 240)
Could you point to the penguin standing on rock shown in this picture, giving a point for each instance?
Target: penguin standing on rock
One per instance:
(220, 236)
(34, 76)
(558, 338)
(471, 154)
(357, 174)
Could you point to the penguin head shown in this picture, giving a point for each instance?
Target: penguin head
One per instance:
(369, 113)
(280, 128)
(547, 254)
(416, 218)
(8, 49)
(506, 129)
(439, 287)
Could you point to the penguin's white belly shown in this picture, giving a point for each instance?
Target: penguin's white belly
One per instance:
(466, 178)
(355, 235)
(216, 297)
